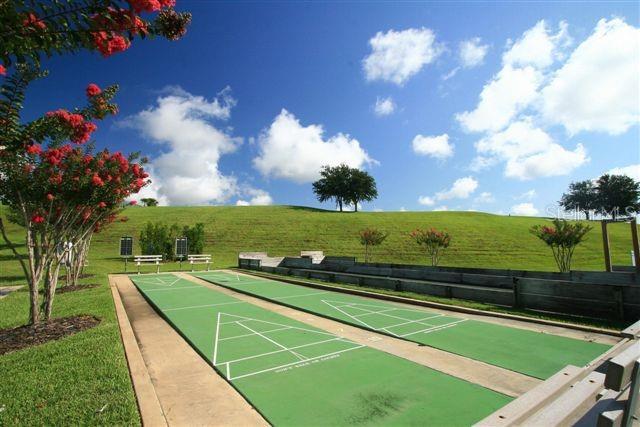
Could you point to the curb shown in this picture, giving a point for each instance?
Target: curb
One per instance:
(151, 412)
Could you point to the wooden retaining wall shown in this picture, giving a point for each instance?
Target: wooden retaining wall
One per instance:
(592, 294)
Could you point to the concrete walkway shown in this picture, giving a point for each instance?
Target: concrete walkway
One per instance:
(188, 390)
(492, 377)
(6, 290)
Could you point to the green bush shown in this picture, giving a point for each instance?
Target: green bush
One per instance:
(159, 239)
(195, 236)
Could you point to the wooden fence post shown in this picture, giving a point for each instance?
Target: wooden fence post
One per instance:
(636, 244)
(605, 244)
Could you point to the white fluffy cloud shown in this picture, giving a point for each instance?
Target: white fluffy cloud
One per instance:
(527, 195)
(438, 147)
(384, 106)
(632, 171)
(186, 173)
(538, 47)
(257, 198)
(598, 88)
(508, 93)
(529, 152)
(426, 201)
(397, 55)
(472, 52)
(484, 197)
(295, 152)
(462, 188)
(524, 209)
(594, 88)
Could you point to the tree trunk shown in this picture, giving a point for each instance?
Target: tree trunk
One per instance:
(340, 204)
(586, 213)
(355, 205)
(50, 289)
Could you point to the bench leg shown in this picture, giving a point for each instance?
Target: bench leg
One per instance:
(158, 268)
(207, 266)
(192, 267)
(138, 268)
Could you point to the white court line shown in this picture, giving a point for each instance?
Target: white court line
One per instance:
(347, 314)
(248, 335)
(159, 281)
(299, 356)
(286, 349)
(304, 295)
(170, 289)
(432, 328)
(289, 364)
(273, 323)
(407, 321)
(205, 305)
(215, 343)
(372, 312)
(417, 321)
(436, 328)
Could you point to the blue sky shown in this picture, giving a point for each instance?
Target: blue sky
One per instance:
(257, 96)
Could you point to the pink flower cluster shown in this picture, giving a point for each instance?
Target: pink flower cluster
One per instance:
(79, 128)
(150, 5)
(33, 23)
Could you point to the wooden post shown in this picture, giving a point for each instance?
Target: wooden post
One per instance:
(636, 243)
(605, 244)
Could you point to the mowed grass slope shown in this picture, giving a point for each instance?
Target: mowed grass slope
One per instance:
(478, 239)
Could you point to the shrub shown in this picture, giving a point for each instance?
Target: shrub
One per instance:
(563, 238)
(434, 241)
(195, 238)
(159, 239)
(370, 237)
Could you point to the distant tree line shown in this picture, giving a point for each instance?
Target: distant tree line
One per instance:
(345, 185)
(610, 195)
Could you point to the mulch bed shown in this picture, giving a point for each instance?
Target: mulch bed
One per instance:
(29, 336)
(74, 288)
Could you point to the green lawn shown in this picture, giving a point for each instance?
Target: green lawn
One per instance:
(78, 375)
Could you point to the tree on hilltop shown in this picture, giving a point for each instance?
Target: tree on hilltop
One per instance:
(345, 185)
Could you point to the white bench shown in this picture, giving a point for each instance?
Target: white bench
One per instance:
(148, 259)
(199, 259)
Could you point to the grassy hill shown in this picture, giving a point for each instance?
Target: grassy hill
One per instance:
(479, 239)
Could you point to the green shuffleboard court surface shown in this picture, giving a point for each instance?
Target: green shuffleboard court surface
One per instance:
(531, 353)
(298, 375)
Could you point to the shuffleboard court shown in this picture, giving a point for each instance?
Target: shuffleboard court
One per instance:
(295, 374)
(539, 355)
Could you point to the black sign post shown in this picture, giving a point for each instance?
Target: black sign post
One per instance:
(126, 249)
(182, 249)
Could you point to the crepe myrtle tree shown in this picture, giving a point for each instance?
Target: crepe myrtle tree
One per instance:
(433, 241)
(62, 190)
(30, 29)
(370, 237)
(562, 238)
